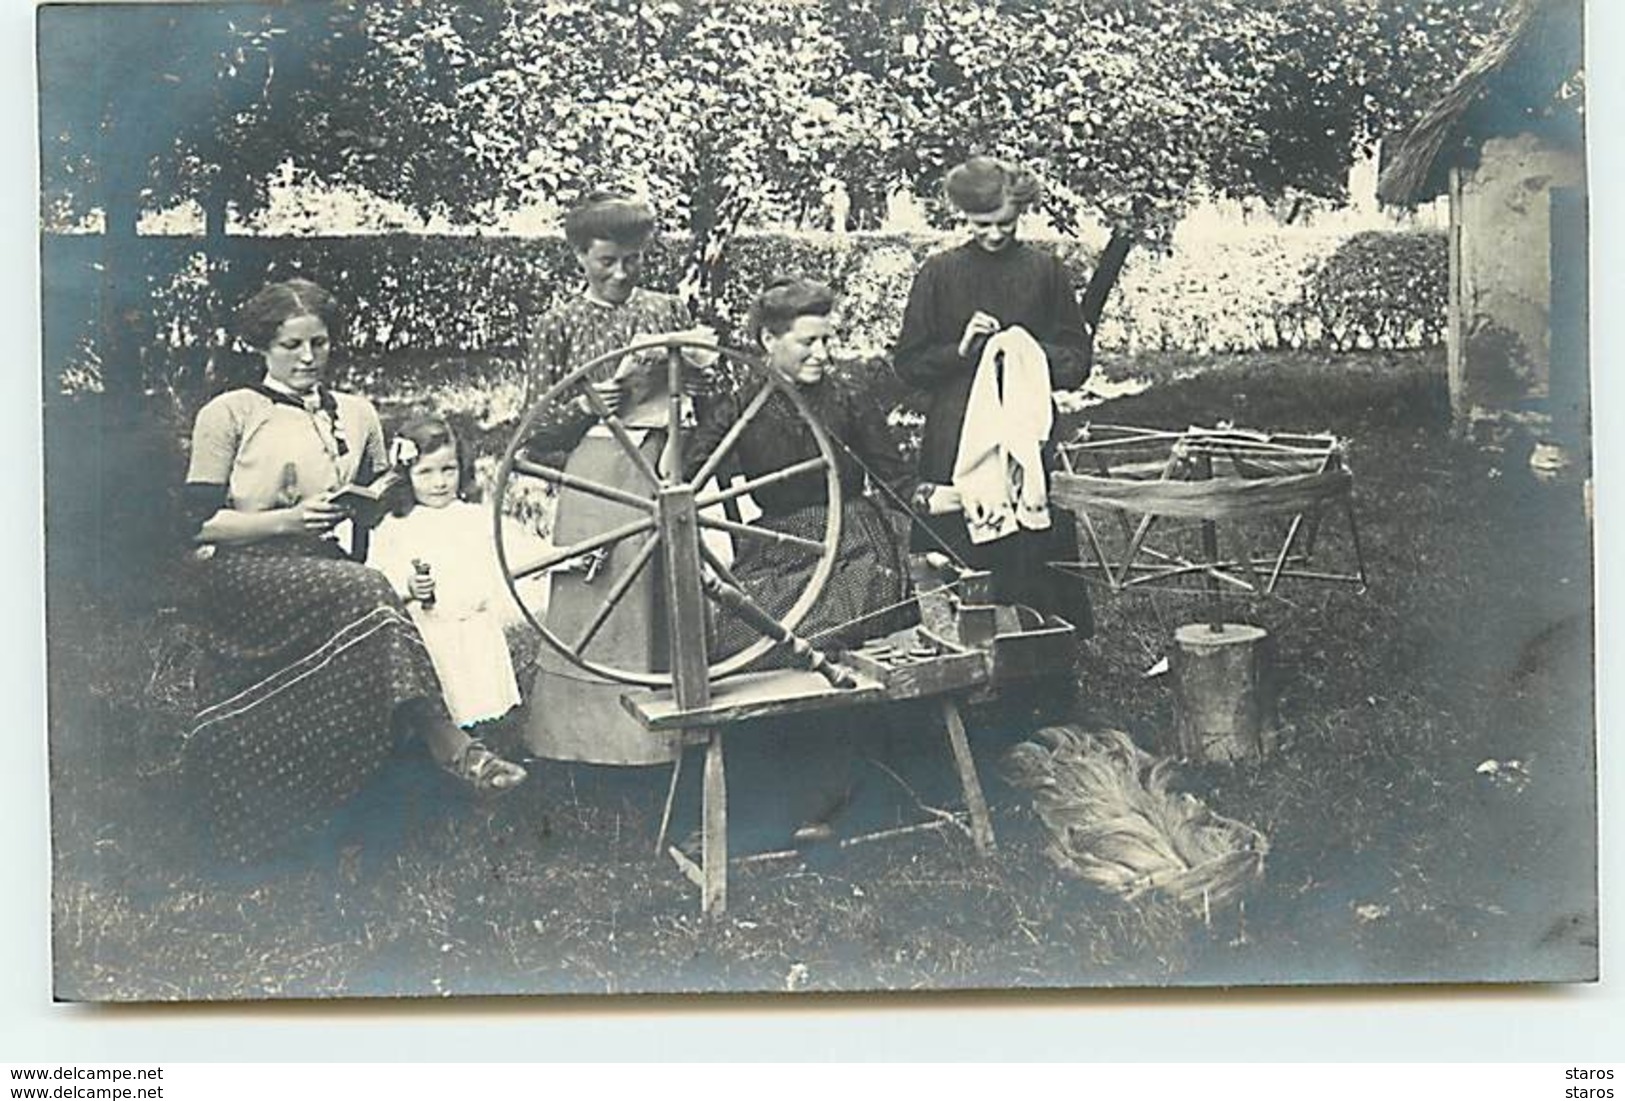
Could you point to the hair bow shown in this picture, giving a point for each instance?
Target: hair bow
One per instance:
(402, 452)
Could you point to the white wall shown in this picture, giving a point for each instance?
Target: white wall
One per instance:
(1504, 267)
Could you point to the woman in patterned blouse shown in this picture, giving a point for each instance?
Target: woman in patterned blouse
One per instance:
(576, 718)
(313, 666)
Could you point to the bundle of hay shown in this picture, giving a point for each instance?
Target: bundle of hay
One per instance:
(1113, 822)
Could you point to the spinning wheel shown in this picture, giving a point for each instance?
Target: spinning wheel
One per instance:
(673, 512)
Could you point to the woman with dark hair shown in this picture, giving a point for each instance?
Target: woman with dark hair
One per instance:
(991, 284)
(801, 769)
(582, 719)
(313, 667)
(868, 593)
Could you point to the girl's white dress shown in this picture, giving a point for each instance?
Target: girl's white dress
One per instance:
(464, 629)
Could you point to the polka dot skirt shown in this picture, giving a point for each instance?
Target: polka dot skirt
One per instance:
(311, 654)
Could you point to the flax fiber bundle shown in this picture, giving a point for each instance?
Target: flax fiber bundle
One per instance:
(1113, 822)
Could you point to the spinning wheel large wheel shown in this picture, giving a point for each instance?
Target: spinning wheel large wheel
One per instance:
(672, 507)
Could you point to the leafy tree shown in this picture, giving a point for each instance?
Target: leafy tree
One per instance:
(143, 106)
(1133, 108)
(1130, 108)
(714, 109)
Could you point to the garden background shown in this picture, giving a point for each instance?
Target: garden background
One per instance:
(1395, 856)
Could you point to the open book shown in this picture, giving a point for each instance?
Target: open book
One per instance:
(355, 496)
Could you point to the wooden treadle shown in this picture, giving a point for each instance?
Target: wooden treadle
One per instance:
(749, 696)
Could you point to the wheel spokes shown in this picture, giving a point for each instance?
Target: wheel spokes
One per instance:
(784, 474)
(617, 428)
(617, 591)
(576, 550)
(714, 461)
(570, 481)
(750, 531)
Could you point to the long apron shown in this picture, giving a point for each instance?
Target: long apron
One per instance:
(576, 715)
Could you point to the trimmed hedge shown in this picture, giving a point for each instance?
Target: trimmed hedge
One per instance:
(433, 305)
(1381, 290)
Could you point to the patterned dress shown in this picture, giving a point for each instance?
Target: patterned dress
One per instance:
(309, 652)
(576, 716)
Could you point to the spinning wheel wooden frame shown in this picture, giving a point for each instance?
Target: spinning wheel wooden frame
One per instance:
(674, 513)
(668, 513)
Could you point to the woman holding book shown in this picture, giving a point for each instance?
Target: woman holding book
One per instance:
(313, 668)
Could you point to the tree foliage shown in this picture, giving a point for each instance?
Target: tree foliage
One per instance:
(1131, 109)
(1127, 106)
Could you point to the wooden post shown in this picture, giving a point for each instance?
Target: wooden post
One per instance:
(714, 829)
(1224, 691)
(671, 800)
(1210, 552)
(981, 823)
(691, 680)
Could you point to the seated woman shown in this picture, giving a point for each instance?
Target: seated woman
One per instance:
(868, 593)
(799, 774)
(314, 667)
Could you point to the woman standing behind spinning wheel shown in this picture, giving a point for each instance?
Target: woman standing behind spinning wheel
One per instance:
(575, 717)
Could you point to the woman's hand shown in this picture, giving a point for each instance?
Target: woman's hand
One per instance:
(936, 500)
(318, 515)
(944, 499)
(980, 326)
(701, 334)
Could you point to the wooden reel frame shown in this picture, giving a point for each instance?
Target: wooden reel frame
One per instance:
(1142, 476)
(673, 517)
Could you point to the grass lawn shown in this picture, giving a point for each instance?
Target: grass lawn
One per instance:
(1392, 857)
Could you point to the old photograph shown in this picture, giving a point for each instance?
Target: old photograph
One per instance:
(787, 496)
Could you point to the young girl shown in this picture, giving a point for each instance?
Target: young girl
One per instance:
(437, 550)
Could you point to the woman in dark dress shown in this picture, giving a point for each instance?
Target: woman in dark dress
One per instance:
(960, 298)
(868, 593)
(799, 775)
(313, 667)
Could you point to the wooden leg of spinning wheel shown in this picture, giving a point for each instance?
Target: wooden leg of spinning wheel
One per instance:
(981, 823)
(714, 845)
(671, 798)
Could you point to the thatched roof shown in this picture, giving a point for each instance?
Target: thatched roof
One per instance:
(1508, 88)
